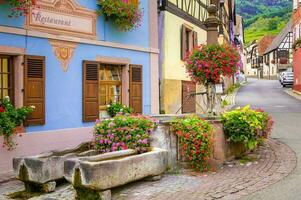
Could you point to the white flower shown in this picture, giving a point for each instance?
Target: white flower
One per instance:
(7, 98)
(33, 107)
(108, 106)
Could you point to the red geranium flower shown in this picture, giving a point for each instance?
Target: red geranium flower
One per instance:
(2, 109)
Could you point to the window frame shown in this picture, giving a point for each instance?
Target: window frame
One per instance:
(11, 75)
(109, 83)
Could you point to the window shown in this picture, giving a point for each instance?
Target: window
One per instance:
(6, 77)
(189, 40)
(110, 84)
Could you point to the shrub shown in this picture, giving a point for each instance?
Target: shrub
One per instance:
(117, 108)
(10, 118)
(123, 132)
(126, 16)
(195, 136)
(247, 126)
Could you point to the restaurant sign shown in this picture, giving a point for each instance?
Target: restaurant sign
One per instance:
(63, 17)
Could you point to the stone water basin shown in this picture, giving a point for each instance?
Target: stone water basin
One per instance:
(94, 176)
(40, 172)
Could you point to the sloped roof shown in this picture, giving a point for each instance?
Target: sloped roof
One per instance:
(264, 43)
(280, 37)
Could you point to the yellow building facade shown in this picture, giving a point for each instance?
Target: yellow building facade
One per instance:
(179, 34)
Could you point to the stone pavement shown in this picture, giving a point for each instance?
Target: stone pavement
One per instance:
(274, 161)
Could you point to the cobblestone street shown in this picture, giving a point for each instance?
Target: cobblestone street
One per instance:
(275, 161)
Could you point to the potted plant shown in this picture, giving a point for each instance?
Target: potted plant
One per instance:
(114, 109)
(19, 7)
(125, 16)
(11, 119)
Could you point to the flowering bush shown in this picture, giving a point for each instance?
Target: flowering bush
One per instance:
(117, 108)
(207, 63)
(247, 126)
(20, 7)
(195, 136)
(124, 132)
(125, 15)
(10, 118)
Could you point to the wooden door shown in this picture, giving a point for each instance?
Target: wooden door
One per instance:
(188, 99)
(90, 91)
(34, 88)
(136, 88)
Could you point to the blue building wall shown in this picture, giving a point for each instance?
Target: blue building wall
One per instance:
(64, 89)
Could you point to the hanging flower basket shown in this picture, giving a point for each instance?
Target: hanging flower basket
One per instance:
(19, 7)
(207, 63)
(125, 16)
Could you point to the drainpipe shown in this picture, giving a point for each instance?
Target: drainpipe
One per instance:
(161, 17)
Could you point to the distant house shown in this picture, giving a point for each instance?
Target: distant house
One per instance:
(278, 56)
(296, 27)
(239, 41)
(257, 52)
(249, 69)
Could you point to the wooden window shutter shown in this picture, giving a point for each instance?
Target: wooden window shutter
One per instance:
(90, 91)
(183, 42)
(195, 39)
(34, 88)
(136, 94)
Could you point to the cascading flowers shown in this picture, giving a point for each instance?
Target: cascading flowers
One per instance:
(127, 16)
(20, 7)
(207, 63)
(196, 140)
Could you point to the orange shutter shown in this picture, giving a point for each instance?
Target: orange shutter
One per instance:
(136, 88)
(34, 88)
(90, 91)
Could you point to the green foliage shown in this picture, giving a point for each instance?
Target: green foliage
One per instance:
(225, 103)
(232, 88)
(263, 17)
(124, 132)
(247, 126)
(196, 141)
(117, 108)
(10, 118)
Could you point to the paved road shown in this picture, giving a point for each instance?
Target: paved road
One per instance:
(286, 111)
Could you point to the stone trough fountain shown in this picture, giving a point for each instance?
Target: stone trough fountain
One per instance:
(93, 177)
(40, 173)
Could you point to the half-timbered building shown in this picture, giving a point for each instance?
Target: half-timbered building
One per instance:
(278, 56)
(181, 28)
